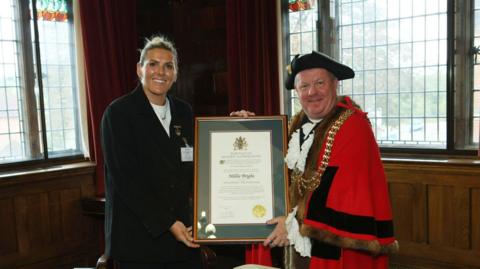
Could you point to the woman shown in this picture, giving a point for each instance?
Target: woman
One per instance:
(146, 138)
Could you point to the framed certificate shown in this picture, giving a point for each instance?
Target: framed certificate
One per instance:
(240, 177)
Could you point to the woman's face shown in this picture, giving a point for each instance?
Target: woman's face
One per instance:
(157, 74)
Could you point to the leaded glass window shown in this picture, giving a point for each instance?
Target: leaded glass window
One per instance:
(400, 51)
(38, 92)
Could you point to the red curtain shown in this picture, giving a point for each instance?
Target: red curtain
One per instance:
(252, 56)
(252, 59)
(110, 46)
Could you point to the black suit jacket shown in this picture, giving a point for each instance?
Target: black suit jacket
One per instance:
(148, 187)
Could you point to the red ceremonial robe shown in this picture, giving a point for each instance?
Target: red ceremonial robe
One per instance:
(348, 216)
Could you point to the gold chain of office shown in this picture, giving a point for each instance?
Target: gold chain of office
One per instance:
(310, 184)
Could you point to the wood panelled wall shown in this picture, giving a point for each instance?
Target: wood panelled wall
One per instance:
(436, 208)
(198, 29)
(41, 221)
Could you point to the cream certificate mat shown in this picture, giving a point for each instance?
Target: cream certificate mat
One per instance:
(241, 177)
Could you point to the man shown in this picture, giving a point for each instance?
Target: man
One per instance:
(342, 216)
(146, 138)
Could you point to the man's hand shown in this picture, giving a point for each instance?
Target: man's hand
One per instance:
(183, 234)
(242, 113)
(279, 236)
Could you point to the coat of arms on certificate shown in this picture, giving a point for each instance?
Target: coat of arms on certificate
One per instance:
(240, 143)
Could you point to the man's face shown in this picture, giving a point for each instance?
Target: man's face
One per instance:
(157, 74)
(317, 91)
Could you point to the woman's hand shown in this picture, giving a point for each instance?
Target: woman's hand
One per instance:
(183, 234)
(279, 236)
(242, 113)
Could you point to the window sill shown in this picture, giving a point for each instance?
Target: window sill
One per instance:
(13, 177)
(431, 159)
(436, 166)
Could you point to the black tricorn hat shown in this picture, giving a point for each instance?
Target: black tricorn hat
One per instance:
(316, 60)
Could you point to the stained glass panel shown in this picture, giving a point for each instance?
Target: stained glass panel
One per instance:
(52, 10)
(300, 5)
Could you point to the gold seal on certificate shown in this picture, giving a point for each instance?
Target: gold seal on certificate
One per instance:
(259, 211)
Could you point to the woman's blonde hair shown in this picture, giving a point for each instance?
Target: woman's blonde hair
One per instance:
(159, 42)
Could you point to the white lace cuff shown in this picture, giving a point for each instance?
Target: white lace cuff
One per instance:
(301, 243)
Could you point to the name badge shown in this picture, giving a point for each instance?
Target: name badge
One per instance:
(187, 154)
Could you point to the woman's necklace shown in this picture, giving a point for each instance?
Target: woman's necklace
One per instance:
(163, 116)
(162, 112)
